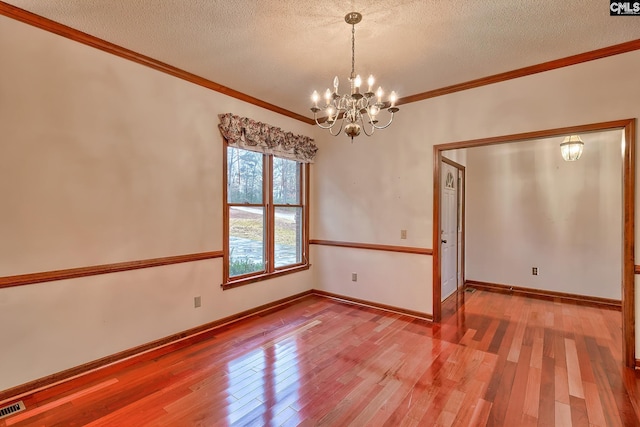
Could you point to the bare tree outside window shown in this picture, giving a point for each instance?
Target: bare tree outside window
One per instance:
(265, 206)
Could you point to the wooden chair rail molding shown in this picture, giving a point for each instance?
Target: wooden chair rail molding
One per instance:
(72, 273)
(371, 246)
(89, 40)
(183, 339)
(543, 294)
(636, 269)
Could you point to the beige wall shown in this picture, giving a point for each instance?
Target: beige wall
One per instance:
(101, 161)
(369, 190)
(526, 207)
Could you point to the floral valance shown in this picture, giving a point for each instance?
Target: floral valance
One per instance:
(249, 134)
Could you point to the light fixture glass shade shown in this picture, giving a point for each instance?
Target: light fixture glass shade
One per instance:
(571, 148)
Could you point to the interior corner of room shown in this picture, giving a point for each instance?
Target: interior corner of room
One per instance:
(108, 166)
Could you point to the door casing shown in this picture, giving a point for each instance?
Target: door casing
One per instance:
(628, 215)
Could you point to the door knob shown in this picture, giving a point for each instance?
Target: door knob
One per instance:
(444, 241)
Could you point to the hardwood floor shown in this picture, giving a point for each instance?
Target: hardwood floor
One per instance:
(496, 360)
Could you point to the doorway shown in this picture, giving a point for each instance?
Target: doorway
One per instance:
(628, 216)
(452, 227)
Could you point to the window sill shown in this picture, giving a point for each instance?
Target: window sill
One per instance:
(266, 276)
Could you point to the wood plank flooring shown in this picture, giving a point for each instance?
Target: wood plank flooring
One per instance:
(495, 360)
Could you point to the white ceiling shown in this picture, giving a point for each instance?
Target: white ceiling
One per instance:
(279, 51)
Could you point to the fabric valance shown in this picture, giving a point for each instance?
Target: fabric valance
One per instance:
(249, 134)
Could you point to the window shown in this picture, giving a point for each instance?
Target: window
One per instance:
(266, 216)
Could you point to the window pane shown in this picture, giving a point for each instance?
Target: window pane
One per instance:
(286, 181)
(244, 176)
(288, 236)
(246, 240)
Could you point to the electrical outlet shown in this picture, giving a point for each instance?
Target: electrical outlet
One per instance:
(534, 271)
(197, 302)
(354, 277)
(403, 234)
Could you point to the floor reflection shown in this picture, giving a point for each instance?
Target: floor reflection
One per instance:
(264, 383)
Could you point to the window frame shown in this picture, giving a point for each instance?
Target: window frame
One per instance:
(269, 271)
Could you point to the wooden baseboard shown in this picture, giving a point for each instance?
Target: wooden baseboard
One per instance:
(174, 342)
(356, 301)
(144, 352)
(191, 336)
(543, 294)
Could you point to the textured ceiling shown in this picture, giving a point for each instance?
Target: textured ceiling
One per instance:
(279, 51)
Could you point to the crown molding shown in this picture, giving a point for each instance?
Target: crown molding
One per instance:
(95, 42)
(525, 71)
(41, 22)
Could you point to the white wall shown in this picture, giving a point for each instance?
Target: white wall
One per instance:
(369, 190)
(526, 207)
(459, 156)
(366, 192)
(379, 275)
(101, 161)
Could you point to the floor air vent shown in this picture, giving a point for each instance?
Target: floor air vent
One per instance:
(8, 410)
(470, 290)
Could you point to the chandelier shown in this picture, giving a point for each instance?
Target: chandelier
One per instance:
(352, 109)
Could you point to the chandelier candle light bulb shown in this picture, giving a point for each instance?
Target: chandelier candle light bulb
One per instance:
(370, 82)
(358, 83)
(393, 98)
(327, 96)
(330, 114)
(354, 111)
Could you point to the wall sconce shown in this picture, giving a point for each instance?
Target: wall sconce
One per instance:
(571, 148)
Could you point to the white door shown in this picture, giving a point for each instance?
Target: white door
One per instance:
(449, 231)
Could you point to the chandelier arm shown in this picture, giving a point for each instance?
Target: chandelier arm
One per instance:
(384, 126)
(321, 125)
(339, 129)
(364, 129)
(364, 126)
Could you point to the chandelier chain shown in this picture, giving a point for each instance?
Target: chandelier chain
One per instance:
(353, 50)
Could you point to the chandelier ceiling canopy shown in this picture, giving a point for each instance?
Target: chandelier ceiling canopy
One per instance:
(353, 111)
